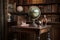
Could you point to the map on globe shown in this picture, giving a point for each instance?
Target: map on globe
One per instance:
(34, 12)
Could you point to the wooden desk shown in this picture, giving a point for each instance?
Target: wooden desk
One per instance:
(28, 33)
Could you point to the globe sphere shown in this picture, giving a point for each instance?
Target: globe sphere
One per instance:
(34, 12)
(19, 8)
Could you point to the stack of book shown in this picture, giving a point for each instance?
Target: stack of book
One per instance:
(26, 8)
(37, 1)
(29, 2)
(47, 9)
(54, 8)
(59, 8)
(50, 1)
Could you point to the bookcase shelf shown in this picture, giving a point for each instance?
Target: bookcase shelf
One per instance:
(43, 4)
(50, 13)
(50, 23)
(50, 9)
(46, 8)
(19, 14)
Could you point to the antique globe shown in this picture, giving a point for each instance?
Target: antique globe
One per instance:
(34, 13)
(19, 8)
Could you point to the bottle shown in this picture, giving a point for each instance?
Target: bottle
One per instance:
(44, 21)
(9, 17)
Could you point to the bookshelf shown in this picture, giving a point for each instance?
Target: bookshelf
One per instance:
(45, 7)
(50, 8)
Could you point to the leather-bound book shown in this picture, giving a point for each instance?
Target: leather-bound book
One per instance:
(54, 8)
(34, 1)
(40, 1)
(29, 1)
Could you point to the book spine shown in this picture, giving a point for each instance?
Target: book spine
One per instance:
(40, 1)
(34, 1)
(54, 8)
(24, 1)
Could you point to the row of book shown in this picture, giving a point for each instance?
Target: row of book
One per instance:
(35, 1)
(44, 9)
(59, 8)
(29, 1)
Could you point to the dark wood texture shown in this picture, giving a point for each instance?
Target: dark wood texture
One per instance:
(55, 32)
(28, 33)
(2, 20)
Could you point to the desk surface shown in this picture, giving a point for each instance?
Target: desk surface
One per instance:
(30, 27)
(42, 29)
